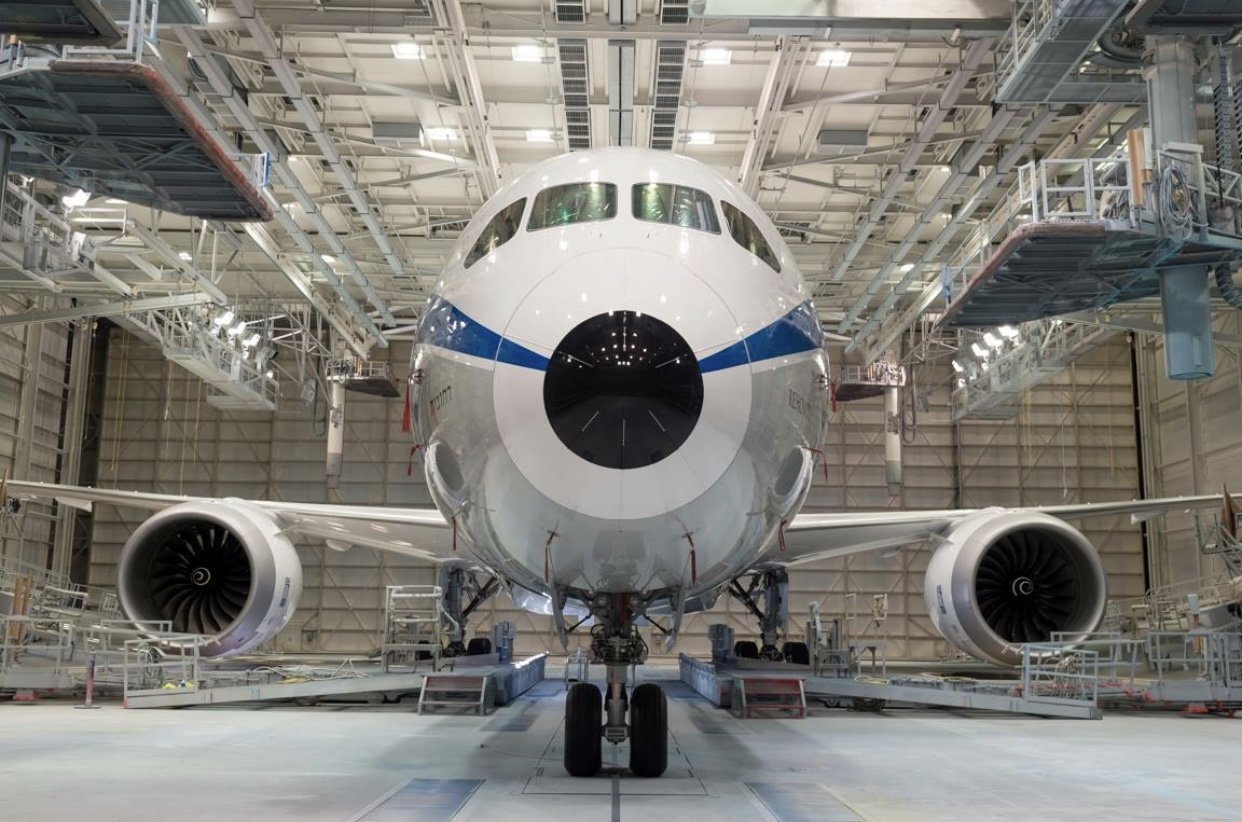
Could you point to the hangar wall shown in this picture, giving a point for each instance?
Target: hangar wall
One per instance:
(32, 404)
(1192, 444)
(1072, 440)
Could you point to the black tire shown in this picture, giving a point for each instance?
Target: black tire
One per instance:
(584, 714)
(648, 731)
(745, 649)
(479, 646)
(797, 653)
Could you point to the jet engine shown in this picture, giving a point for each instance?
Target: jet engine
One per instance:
(1002, 578)
(218, 568)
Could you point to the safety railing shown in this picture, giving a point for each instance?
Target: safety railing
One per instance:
(148, 669)
(1056, 674)
(1214, 657)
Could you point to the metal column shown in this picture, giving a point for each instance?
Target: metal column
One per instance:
(336, 434)
(1170, 76)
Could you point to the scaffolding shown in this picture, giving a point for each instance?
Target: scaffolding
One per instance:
(413, 624)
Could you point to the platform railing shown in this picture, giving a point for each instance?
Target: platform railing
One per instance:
(1054, 673)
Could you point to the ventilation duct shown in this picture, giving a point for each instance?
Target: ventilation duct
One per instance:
(576, 90)
(669, 70)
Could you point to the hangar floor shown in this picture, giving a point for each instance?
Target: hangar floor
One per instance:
(386, 763)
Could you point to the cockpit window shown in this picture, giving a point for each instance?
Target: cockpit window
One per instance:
(678, 205)
(573, 203)
(498, 231)
(748, 236)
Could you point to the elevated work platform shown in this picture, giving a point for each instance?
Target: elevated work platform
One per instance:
(68, 22)
(859, 382)
(1045, 49)
(117, 128)
(1081, 237)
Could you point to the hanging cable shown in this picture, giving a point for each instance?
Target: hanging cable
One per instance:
(1228, 289)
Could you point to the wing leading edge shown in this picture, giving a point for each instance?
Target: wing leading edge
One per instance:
(824, 536)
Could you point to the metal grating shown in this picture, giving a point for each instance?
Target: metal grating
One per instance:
(69, 22)
(576, 89)
(571, 11)
(669, 71)
(118, 129)
(675, 12)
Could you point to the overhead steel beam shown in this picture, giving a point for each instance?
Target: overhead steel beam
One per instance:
(284, 71)
(116, 309)
(820, 18)
(771, 101)
(223, 87)
(470, 90)
(926, 132)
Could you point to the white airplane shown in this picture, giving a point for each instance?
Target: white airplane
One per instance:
(621, 388)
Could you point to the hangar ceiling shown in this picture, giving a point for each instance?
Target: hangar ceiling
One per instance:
(876, 146)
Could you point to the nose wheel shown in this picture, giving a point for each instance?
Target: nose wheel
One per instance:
(585, 731)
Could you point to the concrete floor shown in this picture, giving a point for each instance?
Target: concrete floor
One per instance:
(386, 763)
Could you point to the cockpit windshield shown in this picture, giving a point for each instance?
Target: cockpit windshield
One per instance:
(573, 203)
(497, 232)
(748, 235)
(678, 205)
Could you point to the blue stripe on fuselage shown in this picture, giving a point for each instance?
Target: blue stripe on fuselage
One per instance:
(793, 333)
(444, 325)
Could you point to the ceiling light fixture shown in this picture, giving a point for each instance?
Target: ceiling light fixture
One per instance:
(441, 134)
(958, 367)
(833, 58)
(527, 54)
(76, 199)
(407, 51)
(185, 256)
(1008, 331)
(979, 351)
(328, 258)
(716, 57)
(223, 318)
(992, 340)
(702, 138)
(538, 135)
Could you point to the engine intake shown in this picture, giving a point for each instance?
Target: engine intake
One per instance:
(1005, 578)
(222, 569)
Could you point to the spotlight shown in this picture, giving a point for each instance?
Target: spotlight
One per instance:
(237, 328)
(252, 340)
(1008, 331)
(958, 367)
(980, 351)
(223, 318)
(992, 340)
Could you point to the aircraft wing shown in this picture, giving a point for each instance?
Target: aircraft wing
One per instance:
(812, 536)
(420, 532)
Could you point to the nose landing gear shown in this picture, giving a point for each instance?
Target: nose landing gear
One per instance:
(592, 717)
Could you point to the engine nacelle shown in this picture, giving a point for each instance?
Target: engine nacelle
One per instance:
(1004, 578)
(218, 568)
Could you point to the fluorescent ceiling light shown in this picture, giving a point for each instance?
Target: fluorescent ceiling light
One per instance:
(185, 256)
(441, 133)
(906, 268)
(76, 199)
(702, 138)
(407, 51)
(528, 54)
(717, 57)
(832, 58)
(327, 258)
(538, 135)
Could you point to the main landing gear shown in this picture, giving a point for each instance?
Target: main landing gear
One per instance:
(463, 590)
(766, 597)
(591, 716)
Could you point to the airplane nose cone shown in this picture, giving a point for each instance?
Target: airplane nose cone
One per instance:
(623, 390)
